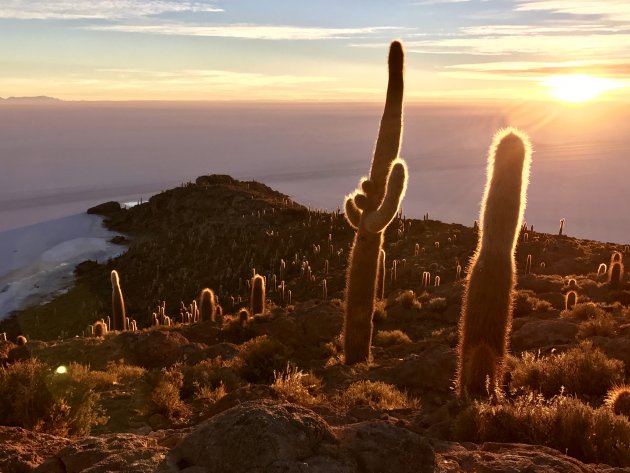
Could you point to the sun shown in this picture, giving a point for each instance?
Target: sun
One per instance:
(579, 87)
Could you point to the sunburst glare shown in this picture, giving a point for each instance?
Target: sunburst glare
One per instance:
(579, 87)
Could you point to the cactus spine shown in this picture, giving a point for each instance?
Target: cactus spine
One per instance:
(207, 306)
(487, 303)
(258, 295)
(119, 318)
(370, 210)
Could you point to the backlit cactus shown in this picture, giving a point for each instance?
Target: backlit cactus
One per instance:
(207, 306)
(615, 270)
(100, 329)
(119, 318)
(257, 300)
(370, 210)
(487, 303)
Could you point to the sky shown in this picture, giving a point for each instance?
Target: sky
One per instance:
(324, 50)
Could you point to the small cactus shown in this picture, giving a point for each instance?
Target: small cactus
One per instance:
(257, 300)
(207, 306)
(561, 231)
(615, 271)
(528, 264)
(244, 316)
(21, 340)
(119, 319)
(618, 399)
(570, 299)
(100, 329)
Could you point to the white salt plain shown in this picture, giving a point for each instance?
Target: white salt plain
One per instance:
(58, 160)
(37, 261)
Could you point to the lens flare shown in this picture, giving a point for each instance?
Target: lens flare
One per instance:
(579, 87)
(61, 370)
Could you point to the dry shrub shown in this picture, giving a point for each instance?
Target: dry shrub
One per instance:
(543, 306)
(564, 423)
(208, 393)
(208, 375)
(35, 397)
(408, 300)
(437, 304)
(125, 374)
(261, 357)
(297, 386)
(380, 312)
(377, 395)
(583, 371)
(603, 326)
(524, 303)
(162, 393)
(583, 311)
(388, 338)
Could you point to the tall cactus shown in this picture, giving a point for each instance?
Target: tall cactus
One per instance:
(369, 210)
(207, 306)
(486, 316)
(119, 317)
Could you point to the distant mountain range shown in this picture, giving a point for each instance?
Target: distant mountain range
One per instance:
(40, 98)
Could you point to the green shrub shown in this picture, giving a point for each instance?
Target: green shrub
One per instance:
(377, 395)
(387, 338)
(35, 397)
(564, 423)
(582, 371)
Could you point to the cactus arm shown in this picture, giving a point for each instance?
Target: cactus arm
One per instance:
(378, 220)
(388, 141)
(353, 214)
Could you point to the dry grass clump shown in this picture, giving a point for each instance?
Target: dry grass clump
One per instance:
(208, 393)
(297, 386)
(261, 357)
(437, 304)
(207, 376)
(564, 423)
(603, 326)
(377, 395)
(36, 397)
(583, 311)
(380, 312)
(125, 374)
(408, 300)
(618, 399)
(524, 303)
(583, 371)
(162, 393)
(543, 306)
(388, 338)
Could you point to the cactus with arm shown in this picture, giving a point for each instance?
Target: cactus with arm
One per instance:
(369, 210)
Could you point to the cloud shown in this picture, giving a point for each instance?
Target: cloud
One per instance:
(616, 10)
(245, 31)
(535, 68)
(97, 9)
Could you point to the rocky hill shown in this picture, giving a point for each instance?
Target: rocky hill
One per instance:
(271, 392)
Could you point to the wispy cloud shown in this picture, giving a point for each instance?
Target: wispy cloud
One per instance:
(97, 9)
(246, 31)
(534, 68)
(616, 10)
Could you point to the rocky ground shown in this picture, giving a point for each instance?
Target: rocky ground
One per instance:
(271, 394)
